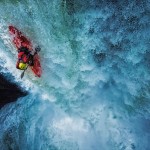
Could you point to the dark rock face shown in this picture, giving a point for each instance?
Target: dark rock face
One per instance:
(9, 92)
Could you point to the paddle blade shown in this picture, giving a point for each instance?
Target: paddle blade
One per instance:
(22, 74)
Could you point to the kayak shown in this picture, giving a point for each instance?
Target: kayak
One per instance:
(19, 40)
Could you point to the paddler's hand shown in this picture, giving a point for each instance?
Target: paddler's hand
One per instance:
(37, 49)
(30, 63)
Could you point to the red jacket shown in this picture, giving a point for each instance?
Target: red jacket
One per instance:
(22, 57)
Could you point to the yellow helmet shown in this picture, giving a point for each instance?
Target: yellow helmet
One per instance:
(22, 66)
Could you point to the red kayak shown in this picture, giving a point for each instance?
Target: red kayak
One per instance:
(19, 41)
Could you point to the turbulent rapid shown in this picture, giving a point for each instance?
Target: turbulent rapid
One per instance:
(94, 93)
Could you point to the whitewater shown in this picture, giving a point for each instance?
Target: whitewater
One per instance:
(94, 93)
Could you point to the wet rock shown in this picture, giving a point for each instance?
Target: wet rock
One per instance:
(9, 92)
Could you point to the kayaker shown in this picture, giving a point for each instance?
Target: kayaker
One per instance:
(25, 57)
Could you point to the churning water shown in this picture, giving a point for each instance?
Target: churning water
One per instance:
(94, 93)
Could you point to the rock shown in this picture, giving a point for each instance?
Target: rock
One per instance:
(9, 92)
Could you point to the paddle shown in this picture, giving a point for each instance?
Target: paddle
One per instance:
(22, 74)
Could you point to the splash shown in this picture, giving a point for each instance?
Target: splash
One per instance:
(94, 91)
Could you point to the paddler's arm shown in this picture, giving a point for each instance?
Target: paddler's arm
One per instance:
(17, 65)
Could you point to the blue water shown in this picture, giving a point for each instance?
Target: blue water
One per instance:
(94, 93)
